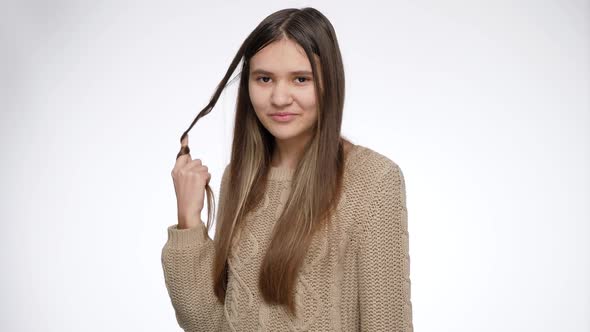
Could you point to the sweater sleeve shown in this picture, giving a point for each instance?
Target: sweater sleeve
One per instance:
(384, 261)
(187, 259)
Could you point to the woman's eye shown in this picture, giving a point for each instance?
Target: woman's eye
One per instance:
(300, 79)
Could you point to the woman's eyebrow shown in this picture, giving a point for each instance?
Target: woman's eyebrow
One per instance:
(265, 72)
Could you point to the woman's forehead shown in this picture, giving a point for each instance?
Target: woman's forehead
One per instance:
(281, 57)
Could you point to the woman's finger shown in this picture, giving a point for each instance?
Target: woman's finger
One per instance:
(183, 156)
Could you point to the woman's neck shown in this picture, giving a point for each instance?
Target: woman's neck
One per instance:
(288, 155)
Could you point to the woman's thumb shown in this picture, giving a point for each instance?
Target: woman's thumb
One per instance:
(184, 154)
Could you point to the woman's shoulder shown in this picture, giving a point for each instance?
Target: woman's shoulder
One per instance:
(369, 163)
(369, 177)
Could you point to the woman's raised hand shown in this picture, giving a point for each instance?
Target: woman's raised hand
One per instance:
(190, 178)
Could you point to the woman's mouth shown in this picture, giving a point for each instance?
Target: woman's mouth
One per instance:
(283, 117)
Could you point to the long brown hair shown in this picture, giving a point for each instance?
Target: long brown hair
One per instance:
(316, 181)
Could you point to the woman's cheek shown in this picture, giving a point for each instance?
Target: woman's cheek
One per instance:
(257, 98)
(307, 100)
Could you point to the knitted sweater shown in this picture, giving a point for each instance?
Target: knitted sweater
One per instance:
(355, 276)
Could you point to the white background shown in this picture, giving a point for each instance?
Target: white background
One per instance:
(485, 105)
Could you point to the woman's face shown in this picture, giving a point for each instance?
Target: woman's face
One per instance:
(281, 81)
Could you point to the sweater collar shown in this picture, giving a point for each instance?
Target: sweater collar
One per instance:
(284, 173)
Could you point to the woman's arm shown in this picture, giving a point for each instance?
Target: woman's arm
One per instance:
(384, 261)
(187, 259)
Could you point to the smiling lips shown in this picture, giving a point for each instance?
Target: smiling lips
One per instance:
(283, 116)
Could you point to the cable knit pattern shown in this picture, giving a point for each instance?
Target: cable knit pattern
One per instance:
(355, 277)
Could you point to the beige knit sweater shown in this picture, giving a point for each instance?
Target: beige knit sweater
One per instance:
(356, 276)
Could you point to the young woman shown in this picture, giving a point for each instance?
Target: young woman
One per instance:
(311, 232)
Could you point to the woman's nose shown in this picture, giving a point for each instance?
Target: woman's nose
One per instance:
(281, 94)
